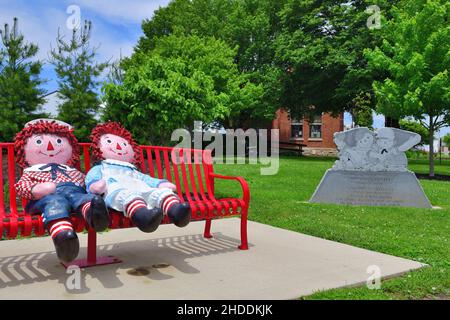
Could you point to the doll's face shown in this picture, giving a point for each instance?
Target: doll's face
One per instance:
(116, 148)
(47, 148)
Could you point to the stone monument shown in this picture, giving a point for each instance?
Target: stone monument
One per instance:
(372, 170)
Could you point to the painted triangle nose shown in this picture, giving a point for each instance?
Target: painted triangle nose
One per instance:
(118, 147)
(50, 147)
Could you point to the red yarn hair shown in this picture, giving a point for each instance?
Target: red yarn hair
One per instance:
(117, 129)
(45, 127)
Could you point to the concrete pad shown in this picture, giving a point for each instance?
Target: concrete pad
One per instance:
(175, 263)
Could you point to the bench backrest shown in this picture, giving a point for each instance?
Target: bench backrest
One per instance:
(188, 169)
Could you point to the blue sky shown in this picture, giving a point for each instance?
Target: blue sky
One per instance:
(116, 28)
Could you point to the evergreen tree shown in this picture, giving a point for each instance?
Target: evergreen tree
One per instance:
(78, 73)
(116, 74)
(20, 92)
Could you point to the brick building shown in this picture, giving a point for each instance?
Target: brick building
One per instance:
(317, 135)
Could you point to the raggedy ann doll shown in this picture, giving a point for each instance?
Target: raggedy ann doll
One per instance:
(48, 151)
(138, 196)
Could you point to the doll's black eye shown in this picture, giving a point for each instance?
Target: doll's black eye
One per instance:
(39, 141)
(109, 141)
(58, 141)
(125, 144)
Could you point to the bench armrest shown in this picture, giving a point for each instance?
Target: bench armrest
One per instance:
(243, 183)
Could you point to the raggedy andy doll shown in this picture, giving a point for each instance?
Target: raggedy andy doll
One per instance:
(141, 198)
(48, 152)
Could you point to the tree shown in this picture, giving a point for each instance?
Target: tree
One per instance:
(20, 92)
(416, 55)
(78, 73)
(446, 139)
(320, 48)
(250, 25)
(361, 111)
(415, 126)
(180, 80)
(304, 53)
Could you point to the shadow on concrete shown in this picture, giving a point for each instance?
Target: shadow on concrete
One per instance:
(152, 259)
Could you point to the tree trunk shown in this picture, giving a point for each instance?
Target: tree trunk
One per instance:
(431, 151)
(391, 122)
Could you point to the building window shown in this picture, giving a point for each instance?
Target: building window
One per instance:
(296, 129)
(315, 128)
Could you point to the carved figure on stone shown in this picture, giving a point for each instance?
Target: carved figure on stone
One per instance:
(364, 150)
(391, 147)
(354, 147)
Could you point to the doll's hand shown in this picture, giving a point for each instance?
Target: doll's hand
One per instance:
(168, 185)
(43, 189)
(98, 187)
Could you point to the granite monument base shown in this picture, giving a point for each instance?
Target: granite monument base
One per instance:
(371, 188)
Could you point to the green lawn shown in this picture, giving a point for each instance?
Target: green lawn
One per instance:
(418, 234)
(421, 166)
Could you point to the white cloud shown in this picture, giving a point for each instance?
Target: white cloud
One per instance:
(116, 23)
(119, 10)
(110, 44)
(52, 101)
(39, 28)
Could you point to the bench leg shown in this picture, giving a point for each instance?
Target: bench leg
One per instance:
(207, 234)
(92, 259)
(244, 242)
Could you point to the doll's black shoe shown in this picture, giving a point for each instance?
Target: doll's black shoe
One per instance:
(97, 216)
(147, 220)
(67, 245)
(180, 214)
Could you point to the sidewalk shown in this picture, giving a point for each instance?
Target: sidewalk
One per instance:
(174, 263)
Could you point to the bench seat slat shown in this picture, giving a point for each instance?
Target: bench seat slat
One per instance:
(167, 165)
(176, 173)
(11, 180)
(2, 186)
(150, 162)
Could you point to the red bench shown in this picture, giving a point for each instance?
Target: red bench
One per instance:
(190, 170)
